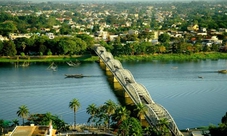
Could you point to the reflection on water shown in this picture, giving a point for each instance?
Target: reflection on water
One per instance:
(44, 90)
(191, 101)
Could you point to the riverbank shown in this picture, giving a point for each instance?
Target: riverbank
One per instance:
(52, 58)
(164, 57)
(175, 57)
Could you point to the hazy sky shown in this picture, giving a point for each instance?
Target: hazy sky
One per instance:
(112, 1)
(123, 0)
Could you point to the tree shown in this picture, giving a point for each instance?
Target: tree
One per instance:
(88, 39)
(151, 131)
(7, 27)
(121, 114)
(44, 119)
(15, 122)
(162, 49)
(109, 109)
(130, 127)
(164, 38)
(141, 110)
(118, 49)
(81, 46)
(146, 35)
(162, 127)
(1, 126)
(221, 129)
(20, 44)
(159, 130)
(108, 47)
(23, 112)
(74, 104)
(9, 48)
(70, 46)
(92, 110)
(1, 46)
(224, 119)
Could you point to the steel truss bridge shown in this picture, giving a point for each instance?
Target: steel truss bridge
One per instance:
(137, 92)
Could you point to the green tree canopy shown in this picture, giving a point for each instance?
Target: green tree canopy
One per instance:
(7, 27)
(130, 127)
(109, 108)
(164, 38)
(45, 119)
(92, 110)
(8, 49)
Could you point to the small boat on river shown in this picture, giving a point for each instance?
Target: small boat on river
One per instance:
(52, 67)
(72, 64)
(25, 64)
(74, 75)
(224, 71)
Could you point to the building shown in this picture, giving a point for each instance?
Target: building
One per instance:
(33, 131)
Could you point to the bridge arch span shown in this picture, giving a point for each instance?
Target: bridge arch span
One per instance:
(137, 92)
(99, 49)
(141, 91)
(125, 76)
(114, 64)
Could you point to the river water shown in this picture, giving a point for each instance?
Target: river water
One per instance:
(193, 92)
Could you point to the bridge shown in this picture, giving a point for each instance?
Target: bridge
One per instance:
(137, 92)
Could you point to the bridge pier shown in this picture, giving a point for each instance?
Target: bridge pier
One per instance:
(108, 72)
(118, 89)
(143, 120)
(102, 64)
(118, 86)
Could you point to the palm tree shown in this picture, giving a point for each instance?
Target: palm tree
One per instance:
(121, 114)
(74, 104)
(1, 126)
(141, 110)
(92, 110)
(130, 127)
(109, 107)
(151, 131)
(124, 129)
(162, 127)
(23, 112)
(15, 122)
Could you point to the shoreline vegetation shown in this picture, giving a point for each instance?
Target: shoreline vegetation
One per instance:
(162, 57)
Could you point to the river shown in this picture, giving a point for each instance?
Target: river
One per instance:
(192, 91)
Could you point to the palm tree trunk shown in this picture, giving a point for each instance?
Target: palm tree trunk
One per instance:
(23, 121)
(74, 120)
(108, 122)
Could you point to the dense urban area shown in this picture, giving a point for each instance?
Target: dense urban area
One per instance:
(123, 29)
(138, 28)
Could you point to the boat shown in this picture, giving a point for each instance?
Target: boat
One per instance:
(52, 67)
(72, 64)
(25, 64)
(74, 75)
(224, 71)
